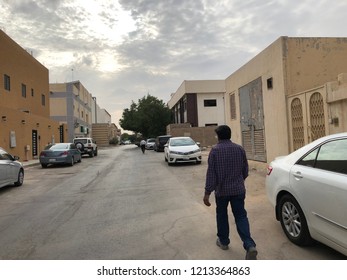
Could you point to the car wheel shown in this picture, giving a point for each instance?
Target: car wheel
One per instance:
(72, 161)
(293, 221)
(96, 152)
(80, 159)
(198, 162)
(44, 165)
(20, 178)
(91, 154)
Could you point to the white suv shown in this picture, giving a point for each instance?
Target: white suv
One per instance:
(86, 146)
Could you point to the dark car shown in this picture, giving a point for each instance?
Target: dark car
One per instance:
(160, 141)
(61, 153)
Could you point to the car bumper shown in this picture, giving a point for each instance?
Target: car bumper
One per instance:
(64, 160)
(176, 158)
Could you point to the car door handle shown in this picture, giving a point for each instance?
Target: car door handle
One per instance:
(298, 175)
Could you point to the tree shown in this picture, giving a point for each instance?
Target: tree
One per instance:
(149, 116)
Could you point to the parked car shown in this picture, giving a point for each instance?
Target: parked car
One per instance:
(308, 189)
(160, 141)
(150, 143)
(86, 145)
(182, 149)
(11, 170)
(61, 153)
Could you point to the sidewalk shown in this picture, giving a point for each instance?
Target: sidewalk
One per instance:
(31, 162)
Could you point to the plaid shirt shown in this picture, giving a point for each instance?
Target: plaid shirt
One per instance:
(227, 169)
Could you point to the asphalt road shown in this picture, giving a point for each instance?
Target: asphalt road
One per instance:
(123, 205)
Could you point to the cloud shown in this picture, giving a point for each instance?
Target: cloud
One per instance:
(122, 50)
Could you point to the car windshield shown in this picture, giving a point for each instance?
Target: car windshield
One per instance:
(182, 142)
(150, 140)
(83, 141)
(61, 146)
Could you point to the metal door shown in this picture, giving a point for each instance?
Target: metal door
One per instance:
(34, 143)
(252, 120)
(308, 118)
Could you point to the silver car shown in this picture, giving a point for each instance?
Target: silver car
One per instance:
(11, 170)
(61, 153)
(308, 189)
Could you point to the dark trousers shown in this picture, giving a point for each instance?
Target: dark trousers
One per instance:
(143, 148)
(240, 215)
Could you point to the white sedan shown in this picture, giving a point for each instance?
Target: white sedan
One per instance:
(182, 149)
(308, 189)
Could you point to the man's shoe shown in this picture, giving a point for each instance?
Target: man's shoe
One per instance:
(251, 253)
(220, 245)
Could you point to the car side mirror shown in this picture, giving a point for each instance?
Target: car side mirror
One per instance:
(198, 143)
(15, 157)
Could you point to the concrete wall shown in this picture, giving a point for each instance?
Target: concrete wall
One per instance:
(268, 64)
(337, 104)
(294, 65)
(210, 115)
(204, 135)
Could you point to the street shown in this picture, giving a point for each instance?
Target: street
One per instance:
(124, 205)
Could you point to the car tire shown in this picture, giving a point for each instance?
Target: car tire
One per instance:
(96, 152)
(80, 146)
(91, 154)
(198, 162)
(293, 221)
(72, 161)
(20, 179)
(44, 165)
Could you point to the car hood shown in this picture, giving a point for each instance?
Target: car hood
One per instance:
(184, 148)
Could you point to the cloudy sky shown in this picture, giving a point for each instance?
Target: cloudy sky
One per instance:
(121, 50)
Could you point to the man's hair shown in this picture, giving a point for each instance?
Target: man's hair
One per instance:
(223, 132)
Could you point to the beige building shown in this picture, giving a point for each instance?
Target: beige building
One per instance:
(71, 105)
(288, 95)
(76, 108)
(25, 124)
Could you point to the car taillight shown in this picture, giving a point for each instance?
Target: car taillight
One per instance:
(42, 154)
(269, 170)
(65, 153)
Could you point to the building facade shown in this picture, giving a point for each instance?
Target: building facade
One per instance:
(25, 124)
(277, 102)
(199, 103)
(71, 105)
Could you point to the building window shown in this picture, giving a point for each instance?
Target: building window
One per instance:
(210, 103)
(32, 92)
(24, 90)
(211, 124)
(7, 82)
(43, 100)
(232, 107)
(269, 83)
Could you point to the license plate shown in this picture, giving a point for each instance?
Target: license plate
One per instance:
(51, 159)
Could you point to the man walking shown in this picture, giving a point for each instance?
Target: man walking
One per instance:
(226, 174)
(143, 145)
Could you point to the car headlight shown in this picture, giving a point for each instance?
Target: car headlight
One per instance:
(174, 152)
(196, 151)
